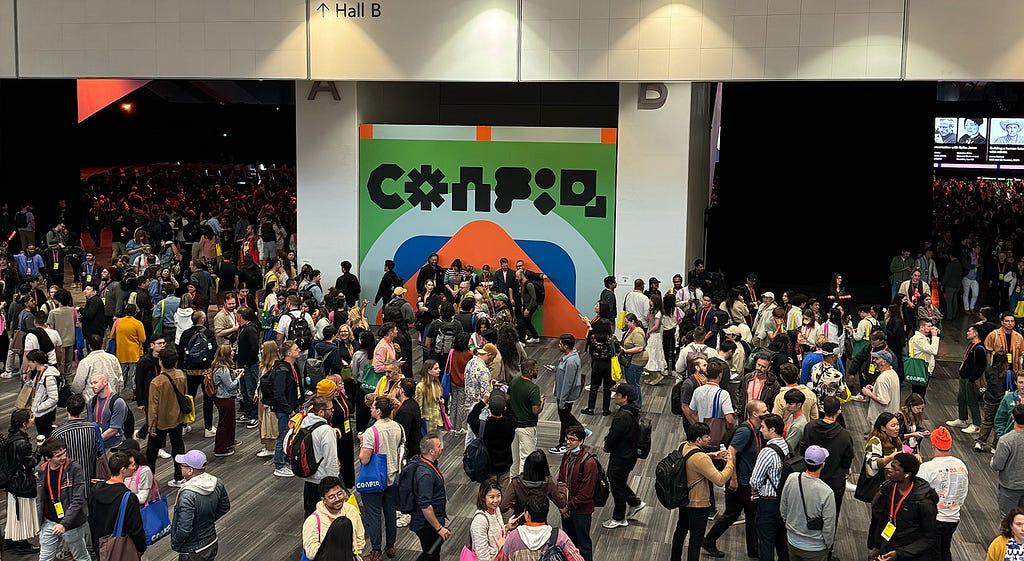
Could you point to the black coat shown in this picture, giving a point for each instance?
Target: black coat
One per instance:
(917, 531)
(621, 440)
(498, 436)
(386, 288)
(104, 505)
(93, 317)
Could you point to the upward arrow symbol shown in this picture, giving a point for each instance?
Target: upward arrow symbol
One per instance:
(322, 8)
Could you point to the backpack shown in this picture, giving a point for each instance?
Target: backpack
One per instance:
(128, 427)
(405, 498)
(538, 288)
(209, 388)
(393, 312)
(5, 464)
(18, 480)
(677, 397)
(791, 463)
(601, 350)
(691, 358)
(267, 388)
(643, 437)
(300, 332)
(21, 219)
(315, 371)
(446, 332)
(553, 552)
(603, 489)
(670, 483)
(826, 381)
(475, 461)
(199, 352)
(301, 454)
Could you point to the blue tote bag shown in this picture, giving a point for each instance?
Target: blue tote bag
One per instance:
(373, 477)
(156, 520)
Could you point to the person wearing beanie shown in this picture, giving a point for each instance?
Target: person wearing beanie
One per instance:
(326, 388)
(805, 499)
(948, 476)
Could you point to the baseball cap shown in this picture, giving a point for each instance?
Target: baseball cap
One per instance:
(768, 294)
(941, 439)
(883, 354)
(488, 349)
(815, 455)
(194, 459)
(400, 290)
(625, 390)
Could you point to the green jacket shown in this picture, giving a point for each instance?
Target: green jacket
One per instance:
(1004, 415)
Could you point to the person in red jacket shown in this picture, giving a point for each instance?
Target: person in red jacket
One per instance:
(577, 478)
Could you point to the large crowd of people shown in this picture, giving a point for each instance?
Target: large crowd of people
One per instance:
(225, 322)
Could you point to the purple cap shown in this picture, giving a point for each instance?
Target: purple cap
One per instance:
(815, 455)
(194, 459)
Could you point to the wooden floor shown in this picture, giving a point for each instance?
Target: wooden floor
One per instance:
(266, 514)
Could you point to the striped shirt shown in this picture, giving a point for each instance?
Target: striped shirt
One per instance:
(81, 437)
(767, 469)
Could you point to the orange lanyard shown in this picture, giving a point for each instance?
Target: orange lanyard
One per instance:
(969, 349)
(433, 467)
(755, 392)
(60, 477)
(892, 501)
(704, 316)
(98, 413)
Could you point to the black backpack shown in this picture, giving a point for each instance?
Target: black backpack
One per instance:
(16, 478)
(677, 397)
(21, 219)
(301, 451)
(393, 312)
(445, 338)
(5, 464)
(670, 483)
(405, 498)
(643, 437)
(553, 551)
(300, 332)
(199, 352)
(602, 490)
(538, 288)
(128, 427)
(791, 463)
(475, 462)
(314, 371)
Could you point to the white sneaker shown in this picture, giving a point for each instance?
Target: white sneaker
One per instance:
(632, 510)
(188, 429)
(851, 487)
(533, 340)
(957, 423)
(163, 454)
(265, 454)
(403, 520)
(284, 472)
(978, 447)
(7, 375)
(210, 433)
(176, 483)
(612, 523)
(992, 451)
(971, 429)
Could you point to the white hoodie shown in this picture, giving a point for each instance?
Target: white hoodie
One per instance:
(182, 321)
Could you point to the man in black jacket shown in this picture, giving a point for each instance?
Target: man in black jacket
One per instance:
(831, 436)
(348, 284)
(388, 283)
(105, 504)
(430, 271)
(408, 415)
(93, 318)
(499, 432)
(284, 401)
(622, 455)
(247, 357)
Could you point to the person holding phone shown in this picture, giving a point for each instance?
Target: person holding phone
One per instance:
(568, 387)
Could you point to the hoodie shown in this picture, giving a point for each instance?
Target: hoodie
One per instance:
(837, 440)
(201, 501)
(314, 529)
(528, 542)
(916, 535)
(182, 322)
(104, 506)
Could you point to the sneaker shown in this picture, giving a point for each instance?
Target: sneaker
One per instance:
(460, 432)
(992, 451)
(712, 550)
(612, 524)
(163, 454)
(533, 340)
(559, 450)
(284, 472)
(242, 419)
(605, 413)
(252, 424)
(632, 510)
(265, 454)
(230, 452)
(971, 429)
(403, 520)
(712, 514)
(589, 432)
(188, 429)
(236, 443)
(587, 411)
(587, 387)
(210, 433)
(957, 423)
(373, 556)
(978, 447)
(176, 483)
(7, 375)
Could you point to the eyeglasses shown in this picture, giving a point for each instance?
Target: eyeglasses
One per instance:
(335, 497)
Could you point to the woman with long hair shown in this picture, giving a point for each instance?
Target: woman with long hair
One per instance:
(510, 351)
(22, 518)
(911, 417)
(361, 358)
(656, 365)
(357, 321)
(735, 306)
(487, 528)
(634, 347)
(837, 295)
(428, 307)
(429, 396)
(670, 316)
(269, 355)
(225, 381)
(536, 477)
(477, 340)
(883, 444)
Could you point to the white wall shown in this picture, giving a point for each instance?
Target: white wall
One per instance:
(651, 187)
(8, 69)
(327, 169)
(955, 40)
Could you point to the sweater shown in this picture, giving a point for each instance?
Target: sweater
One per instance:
(839, 443)
(819, 500)
(1004, 414)
(997, 549)
(130, 335)
(1009, 460)
(315, 527)
(484, 531)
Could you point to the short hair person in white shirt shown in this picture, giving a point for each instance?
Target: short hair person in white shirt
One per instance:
(948, 476)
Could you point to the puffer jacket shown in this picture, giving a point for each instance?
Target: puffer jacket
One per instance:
(917, 532)
(201, 501)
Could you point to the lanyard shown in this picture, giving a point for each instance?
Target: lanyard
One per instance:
(55, 260)
(99, 410)
(892, 501)
(703, 316)
(969, 349)
(60, 477)
(433, 467)
(755, 392)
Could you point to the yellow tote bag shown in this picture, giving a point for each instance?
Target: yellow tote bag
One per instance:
(616, 369)
(621, 323)
(190, 417)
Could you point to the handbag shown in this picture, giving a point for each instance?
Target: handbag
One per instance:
(25, 397)
(868, 486)
(18, 342)
(446, 378)
(815, 524)
(117, 546)
(112, 343)
(620, 323)
(915, 370)
(468, 554)
(373, 476)
(446, 421)
(186, 403)
(155, 517)
(616, 369)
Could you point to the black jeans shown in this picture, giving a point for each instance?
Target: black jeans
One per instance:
(193, 383)
(735, 502)
(668, 346)
(618, 480)
(44, 424)
(566, 420)
(600, 380)
(946, 530)
(577, 527)
(429, 539)
(691, 521)
(526, 328)
(771, 532)
(310, 496)
(155, 443)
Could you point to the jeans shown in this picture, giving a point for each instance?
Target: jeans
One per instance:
(524, 443)
(155, 443)
(951, 303)
(373, 504)
(970, 293)
(1010, 499)
(946, 531)
(280, 459)
(895, 288)
(633, 374)
(49, 543)
(735, 502)
(577, 527)
(967, 401)
(988, 419)
(771, 532)
(692, 521)
(431, 543)
(618, 480)
(249, 380)
(600, 381)
(566, 420)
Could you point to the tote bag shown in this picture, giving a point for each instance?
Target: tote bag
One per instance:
(155, 518)
(373, 477)
(616, 369)
(868, 486)
(117, 546)
(915, 370)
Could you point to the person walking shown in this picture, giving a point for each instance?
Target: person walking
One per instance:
(622, 456)
(384, 437)
(1008, 463)
(527, 403)
(971, 369)
(808, 501)
(202, 501)
(948, 476)
(577, 478)
(429, 517)
(283, 399)
(765, 483)
(568, 387)
(105, 504)
(164, 416)
(62, 503)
